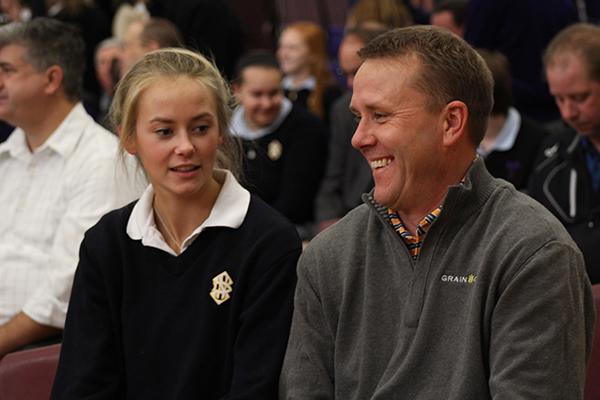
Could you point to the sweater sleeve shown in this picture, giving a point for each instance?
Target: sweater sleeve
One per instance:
(264, 325)
(542, 327)
(308, 370)
(90, 365)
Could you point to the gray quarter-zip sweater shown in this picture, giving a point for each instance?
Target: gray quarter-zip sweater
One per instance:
(497, 306)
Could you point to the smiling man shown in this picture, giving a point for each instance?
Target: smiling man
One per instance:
(567, 178)
(57, 173)
(446, 283)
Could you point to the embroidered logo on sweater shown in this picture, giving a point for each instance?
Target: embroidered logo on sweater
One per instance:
(222, 287)
(468, 279)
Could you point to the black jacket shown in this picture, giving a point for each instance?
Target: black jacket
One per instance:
(561, 182)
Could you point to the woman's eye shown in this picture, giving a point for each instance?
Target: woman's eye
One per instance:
(201, 129)
(162, 131)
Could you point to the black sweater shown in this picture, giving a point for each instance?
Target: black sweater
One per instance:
(285, 167)
(142, 324)
(516, 165)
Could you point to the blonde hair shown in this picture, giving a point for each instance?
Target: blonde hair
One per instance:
(315, 39)
(175, 62)
(581, 40)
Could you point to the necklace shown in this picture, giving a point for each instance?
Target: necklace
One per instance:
(167, 231)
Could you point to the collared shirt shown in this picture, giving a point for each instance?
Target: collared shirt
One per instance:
(240, 128)
(508, 134)
(309, 83)
(49, 198)
(229, 210)
(592, 159)
(413, 242)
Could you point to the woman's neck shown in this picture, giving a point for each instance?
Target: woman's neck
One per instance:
(176, 217)
(299, 77)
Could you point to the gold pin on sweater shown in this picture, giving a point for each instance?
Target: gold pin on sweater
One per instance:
(274, 150)
(222, 286)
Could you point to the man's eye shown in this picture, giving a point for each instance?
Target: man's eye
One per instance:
(378, 116)
(356, 118)
(580, 97)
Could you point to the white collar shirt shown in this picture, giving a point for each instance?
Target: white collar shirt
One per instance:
(240, 128)
(309, 83)
(507, 136)
(49, 198)
(229, 210)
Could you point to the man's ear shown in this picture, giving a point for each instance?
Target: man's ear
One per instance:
(54, 79)
(455, 116)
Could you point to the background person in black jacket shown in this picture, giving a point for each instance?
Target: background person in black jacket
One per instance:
(511, 139)
(567, 177)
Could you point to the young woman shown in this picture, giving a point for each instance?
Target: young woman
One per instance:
(308, 81)
(188, 292)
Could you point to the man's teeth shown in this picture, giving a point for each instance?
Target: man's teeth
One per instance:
(382, 162)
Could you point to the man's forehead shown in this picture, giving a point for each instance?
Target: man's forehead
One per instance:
(383, 72)
(568, 60)
(13, 53)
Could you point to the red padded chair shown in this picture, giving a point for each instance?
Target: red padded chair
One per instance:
(592, 384)
(28, 374)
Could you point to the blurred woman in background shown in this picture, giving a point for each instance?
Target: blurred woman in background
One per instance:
(308, 79)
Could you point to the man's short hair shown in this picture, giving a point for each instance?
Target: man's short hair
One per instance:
(458, 9)
(449, 70)
(49, 42)
(255, 58)
(161, 31)
(582, 40)
(500, 68)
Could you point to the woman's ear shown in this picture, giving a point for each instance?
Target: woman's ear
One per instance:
(455, 117)
(128, 143)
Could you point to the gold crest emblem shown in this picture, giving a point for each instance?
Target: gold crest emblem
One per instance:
(222, 286)
(274, 150)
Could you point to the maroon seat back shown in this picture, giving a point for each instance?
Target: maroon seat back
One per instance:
(28, 374)
(592, 384)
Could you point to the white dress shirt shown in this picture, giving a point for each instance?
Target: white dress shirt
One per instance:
(48, 199)
(229, 210)
(507, 136)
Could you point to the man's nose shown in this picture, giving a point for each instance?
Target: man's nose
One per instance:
(569, 110)
(362, 138)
